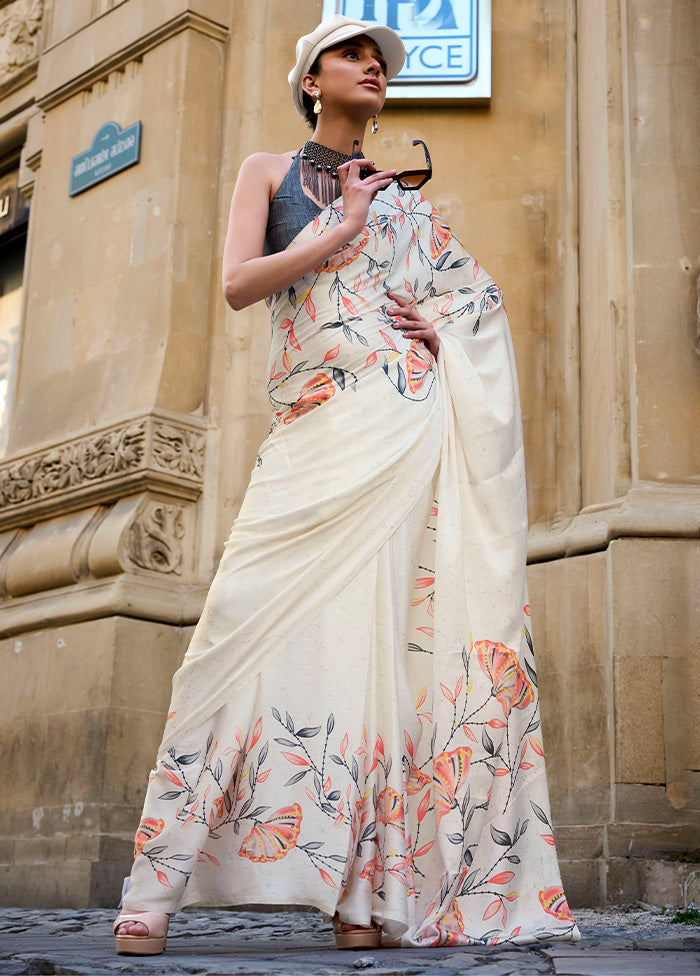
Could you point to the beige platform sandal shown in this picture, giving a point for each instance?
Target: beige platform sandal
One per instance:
(141, 945)
(356, 938)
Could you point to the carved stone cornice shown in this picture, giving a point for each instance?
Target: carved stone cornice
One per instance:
(157, 452)
(647, 511)
(20, 24)
(20, 79)
(62, 77)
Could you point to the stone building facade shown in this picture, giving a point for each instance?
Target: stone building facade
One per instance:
(134, 400)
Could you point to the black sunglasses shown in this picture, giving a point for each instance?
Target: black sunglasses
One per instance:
(408, 179)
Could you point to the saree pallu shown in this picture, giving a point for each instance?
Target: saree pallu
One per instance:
(355, 725)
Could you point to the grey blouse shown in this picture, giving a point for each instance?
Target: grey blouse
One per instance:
(290, 210)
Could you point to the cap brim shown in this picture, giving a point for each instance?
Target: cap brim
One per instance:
(387, 40)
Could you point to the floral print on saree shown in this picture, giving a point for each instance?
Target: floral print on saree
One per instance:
(387, 764)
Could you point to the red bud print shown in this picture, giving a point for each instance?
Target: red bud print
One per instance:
(293, 341)
(389, 341)
(536, 745)
(295, 760)
(424, 849)
(172, 777)
(503, 878)
(423, 806)
(492, 910)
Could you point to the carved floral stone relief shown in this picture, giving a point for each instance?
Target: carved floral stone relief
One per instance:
(179, 449)
(117, 454)
(19, 35)
(73, 464)
(155, 538)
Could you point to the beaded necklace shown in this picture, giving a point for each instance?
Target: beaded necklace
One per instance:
(319, 170)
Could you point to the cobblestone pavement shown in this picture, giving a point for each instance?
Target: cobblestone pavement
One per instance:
(635, 942)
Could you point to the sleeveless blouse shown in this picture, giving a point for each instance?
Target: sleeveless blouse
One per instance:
(290, 210)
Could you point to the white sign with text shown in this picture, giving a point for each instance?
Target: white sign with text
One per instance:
(448, 44)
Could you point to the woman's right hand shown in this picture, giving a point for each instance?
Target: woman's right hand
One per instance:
(358, 193)
(247, 274)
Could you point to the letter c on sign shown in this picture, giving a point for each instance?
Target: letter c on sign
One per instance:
(426, 64)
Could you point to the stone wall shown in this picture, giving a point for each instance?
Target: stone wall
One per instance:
(140, 400)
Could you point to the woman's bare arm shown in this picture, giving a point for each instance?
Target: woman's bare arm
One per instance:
(247, 275)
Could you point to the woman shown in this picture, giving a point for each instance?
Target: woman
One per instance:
(355, 724)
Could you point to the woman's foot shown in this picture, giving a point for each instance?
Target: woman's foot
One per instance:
(356, 936)
(140, 933)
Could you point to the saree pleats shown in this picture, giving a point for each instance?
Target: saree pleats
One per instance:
(355, 725)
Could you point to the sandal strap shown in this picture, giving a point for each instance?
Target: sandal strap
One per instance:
(338, 926)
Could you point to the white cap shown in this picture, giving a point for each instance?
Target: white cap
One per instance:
(333, 31)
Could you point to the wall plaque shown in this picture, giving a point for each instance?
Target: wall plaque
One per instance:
(448, 46)
(113, 149)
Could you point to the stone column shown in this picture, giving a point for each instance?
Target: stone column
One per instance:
(104, 552)
(618, 583)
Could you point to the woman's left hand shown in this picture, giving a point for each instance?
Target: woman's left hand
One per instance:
(412, 324)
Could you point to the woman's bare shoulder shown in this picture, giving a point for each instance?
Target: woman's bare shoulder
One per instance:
(266, 168)
(271, 163)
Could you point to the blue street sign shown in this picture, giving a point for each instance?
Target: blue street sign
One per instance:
(113, 149)
(448, 44)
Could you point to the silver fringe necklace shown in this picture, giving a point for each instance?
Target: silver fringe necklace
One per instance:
(319, 170)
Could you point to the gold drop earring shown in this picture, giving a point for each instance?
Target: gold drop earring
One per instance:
(318, 108)
(375, 125)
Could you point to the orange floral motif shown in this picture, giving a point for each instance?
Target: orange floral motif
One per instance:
(220, 807)
(440, 235)
(416, 781)
(317, 391)
(553, 900)
(451, 926)
(419, 362)
(410, 873)
(390, 808)
(147, 830)
(510, 684)
(273, 839)
(372, 868)
(449, 772)
(346, 255)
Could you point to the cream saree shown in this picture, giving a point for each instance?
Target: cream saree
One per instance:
(355, 725)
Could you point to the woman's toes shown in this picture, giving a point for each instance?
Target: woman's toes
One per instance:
(132, 928)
